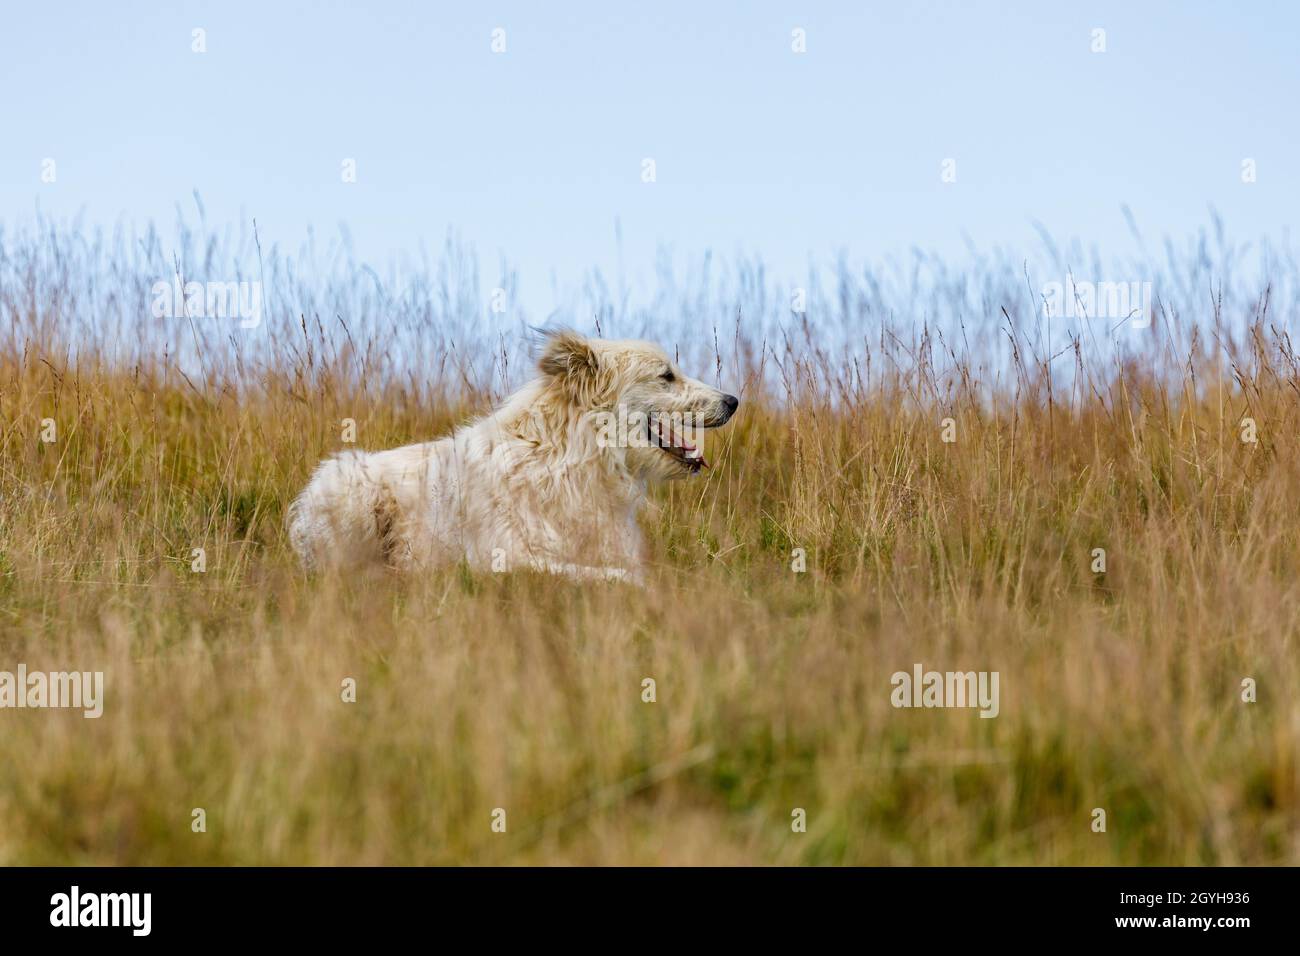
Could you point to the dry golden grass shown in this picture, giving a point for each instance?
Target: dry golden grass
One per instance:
(1120, 691)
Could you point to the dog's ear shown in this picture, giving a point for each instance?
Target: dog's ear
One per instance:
(569, 359)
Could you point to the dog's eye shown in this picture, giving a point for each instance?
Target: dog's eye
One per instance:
(668, 376)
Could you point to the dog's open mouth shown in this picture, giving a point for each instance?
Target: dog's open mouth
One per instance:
(673, 443)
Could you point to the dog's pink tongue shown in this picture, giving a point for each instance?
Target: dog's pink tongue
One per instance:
(692, 453)
(677, 441)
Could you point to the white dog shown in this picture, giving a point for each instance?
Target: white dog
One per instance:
(550, 481)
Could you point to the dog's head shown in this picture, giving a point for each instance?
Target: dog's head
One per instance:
(640, 401)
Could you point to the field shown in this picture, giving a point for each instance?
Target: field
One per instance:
(1121, 689)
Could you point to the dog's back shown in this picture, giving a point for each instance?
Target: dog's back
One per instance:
(355, 508)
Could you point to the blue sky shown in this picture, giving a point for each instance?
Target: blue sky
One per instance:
(534, 153)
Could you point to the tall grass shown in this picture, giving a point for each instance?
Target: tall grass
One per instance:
(1120, 690)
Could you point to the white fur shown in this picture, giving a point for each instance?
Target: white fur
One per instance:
(531, 485)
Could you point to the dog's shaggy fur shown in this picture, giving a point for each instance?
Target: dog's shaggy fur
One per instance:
(543, 482)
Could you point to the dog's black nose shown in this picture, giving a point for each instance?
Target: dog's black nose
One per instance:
(732, 403)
